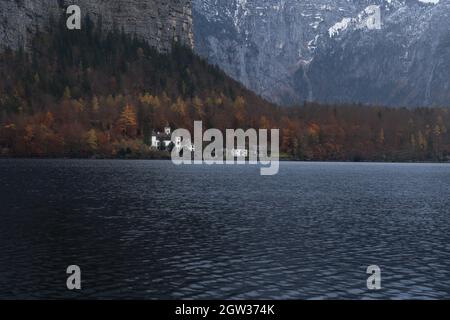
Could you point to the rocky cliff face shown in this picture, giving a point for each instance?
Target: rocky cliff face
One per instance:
(325, 50)
(258, 42)
(405, 63)
(159, 22)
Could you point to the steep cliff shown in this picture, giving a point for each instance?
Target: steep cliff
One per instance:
(405, 63)
(322, 50)
(159, 22)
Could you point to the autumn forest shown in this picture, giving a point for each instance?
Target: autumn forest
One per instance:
(86, 94)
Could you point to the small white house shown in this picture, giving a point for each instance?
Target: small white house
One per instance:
(179, 144)
(161, 139)
(155, 142)
(239, 153)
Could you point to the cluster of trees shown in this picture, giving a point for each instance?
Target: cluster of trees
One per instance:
(85, 93)
(361, 133)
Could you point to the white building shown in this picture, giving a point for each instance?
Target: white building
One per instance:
(239, 153)
(155, 142)
(163, 140)
(179, 144)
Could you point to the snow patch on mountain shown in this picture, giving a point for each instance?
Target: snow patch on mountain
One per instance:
(429, 1)
(369, 18)
(340, 26)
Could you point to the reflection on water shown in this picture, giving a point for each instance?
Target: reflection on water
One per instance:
(149, 229)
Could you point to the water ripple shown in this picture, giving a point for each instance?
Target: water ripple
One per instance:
(148, 229)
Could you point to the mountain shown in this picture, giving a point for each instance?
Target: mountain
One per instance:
(158, 22)
(290, 51)
(103, 93)
(99, 93)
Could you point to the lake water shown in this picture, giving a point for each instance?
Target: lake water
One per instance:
(151, 230)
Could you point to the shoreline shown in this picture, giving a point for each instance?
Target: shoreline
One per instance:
(168, 159)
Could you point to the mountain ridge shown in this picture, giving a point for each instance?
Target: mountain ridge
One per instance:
(103, 94)
(291, 51)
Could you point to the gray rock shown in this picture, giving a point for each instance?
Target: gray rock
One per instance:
(159, 22)
(290, 51)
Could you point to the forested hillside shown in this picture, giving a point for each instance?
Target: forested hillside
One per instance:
(84, 94)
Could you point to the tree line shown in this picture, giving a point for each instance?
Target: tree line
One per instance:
(88, 93)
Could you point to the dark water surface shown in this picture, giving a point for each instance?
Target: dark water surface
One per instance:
(149, 229)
